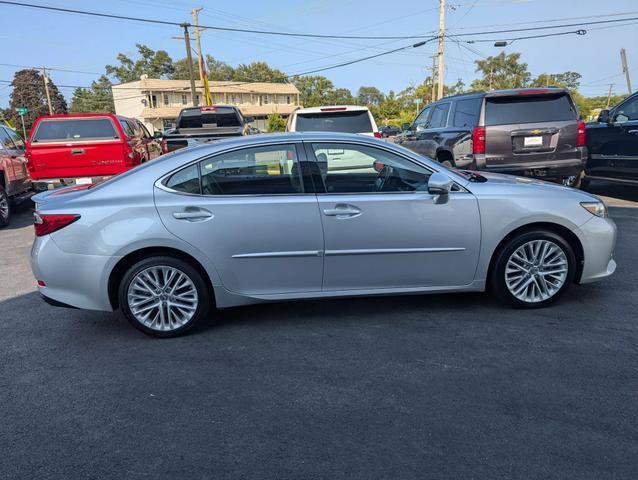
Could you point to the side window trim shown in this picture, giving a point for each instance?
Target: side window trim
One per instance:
(320, 186)
(301, 159)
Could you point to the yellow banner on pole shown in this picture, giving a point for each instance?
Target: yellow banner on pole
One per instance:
(208, 98)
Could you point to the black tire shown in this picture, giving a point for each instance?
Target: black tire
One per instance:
(497, 277)
(203, 295)
(5, 208)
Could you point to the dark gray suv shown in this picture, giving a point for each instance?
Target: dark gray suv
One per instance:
(533, 132)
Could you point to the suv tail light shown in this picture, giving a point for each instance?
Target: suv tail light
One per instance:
(478, 140)
(48, 223)
(377, 134)
(582, 134)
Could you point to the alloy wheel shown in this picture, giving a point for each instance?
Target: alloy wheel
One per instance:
(536, 271)
(570, 181)
(162, 298)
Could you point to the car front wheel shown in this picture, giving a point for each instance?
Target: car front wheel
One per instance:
(163, 296)
(533, 269)
(5, 208)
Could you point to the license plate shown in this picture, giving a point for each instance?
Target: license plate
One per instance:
(533, 141)
(83, 181)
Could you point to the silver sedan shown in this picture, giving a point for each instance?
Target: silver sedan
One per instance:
(313, 215)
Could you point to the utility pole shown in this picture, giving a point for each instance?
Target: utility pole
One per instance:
(46, 89)
(189, 58)
(434, 85)
(609, 95)
(441, 68)
(198, 45)
(623, 60)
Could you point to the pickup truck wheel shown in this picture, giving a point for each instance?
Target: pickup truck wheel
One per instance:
(5, 208)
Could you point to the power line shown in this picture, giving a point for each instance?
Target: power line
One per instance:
(307, 35)
(48, 68)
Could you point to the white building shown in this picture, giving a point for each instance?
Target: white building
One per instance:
(157, 103)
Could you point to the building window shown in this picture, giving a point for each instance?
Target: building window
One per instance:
(184, 99)
(266, 100)
(288, 100)
(233, 99)
(199, 100)
(153, 100)
(166, 100)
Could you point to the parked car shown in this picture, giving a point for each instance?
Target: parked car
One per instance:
(313, 215)
(204, 124)
(613, 144)
(531, 132)
(335, 118)
(85, 148)
(15, 183)
(389, 131)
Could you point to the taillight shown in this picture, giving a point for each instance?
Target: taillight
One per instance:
(48, 223)
(478, 140)
(377, 134)
(582, 134)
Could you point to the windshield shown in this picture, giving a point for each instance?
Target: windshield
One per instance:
(357, 121)
(528, 109)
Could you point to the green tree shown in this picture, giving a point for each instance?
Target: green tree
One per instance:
(314, 90)
(155, 64)
(276, 123)
(28, 91)
(370, 96)
(98, 98)
(215, 69)
(501, 71)
(569, 80)
(340, 96)
(389, 109)
(258, 72)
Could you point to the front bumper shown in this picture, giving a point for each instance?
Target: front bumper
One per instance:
(598, 238)
(79, 281)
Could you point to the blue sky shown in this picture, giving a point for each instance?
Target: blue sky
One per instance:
(87, 44)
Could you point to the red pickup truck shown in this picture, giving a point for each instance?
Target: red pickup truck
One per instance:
(85, 148)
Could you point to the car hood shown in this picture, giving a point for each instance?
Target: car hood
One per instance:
(500, 180)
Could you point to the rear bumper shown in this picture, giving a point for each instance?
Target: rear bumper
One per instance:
(72, 280)
(549, 169)
(43, 185)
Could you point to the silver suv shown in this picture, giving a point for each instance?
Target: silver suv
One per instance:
(532, 132)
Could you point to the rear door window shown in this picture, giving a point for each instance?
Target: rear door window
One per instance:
(209, 117)
(64, 130)
(357, 121)
(128, 128)
(529, 109)
(439, 115)
(466, 112)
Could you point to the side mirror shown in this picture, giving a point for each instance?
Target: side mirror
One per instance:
(157, 135)
(249, 119)
(406, 127)
(439, 184)
(603, 116)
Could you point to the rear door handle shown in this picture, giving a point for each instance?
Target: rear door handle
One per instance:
(193, 215)
(77, 151)
(342, 211)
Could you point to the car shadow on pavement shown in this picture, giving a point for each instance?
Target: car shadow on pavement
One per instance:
(21, 216)
(628, 193)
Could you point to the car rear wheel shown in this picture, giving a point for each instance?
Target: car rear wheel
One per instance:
(533, 269)
(163, 296)
(5, 208)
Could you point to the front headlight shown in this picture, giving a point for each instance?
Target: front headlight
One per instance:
(596, 208)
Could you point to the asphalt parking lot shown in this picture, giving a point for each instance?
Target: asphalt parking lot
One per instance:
(412, 387)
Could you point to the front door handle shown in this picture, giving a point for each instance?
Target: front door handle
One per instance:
(193, 215)
(77, 151)
(342, 211)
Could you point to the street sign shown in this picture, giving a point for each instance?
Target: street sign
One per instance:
(22, 110)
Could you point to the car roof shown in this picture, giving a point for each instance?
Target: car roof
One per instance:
(332, 108)
(82, 115)
(507, 92)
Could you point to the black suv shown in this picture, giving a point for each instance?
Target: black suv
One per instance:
(533, 132)
(613, 143)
